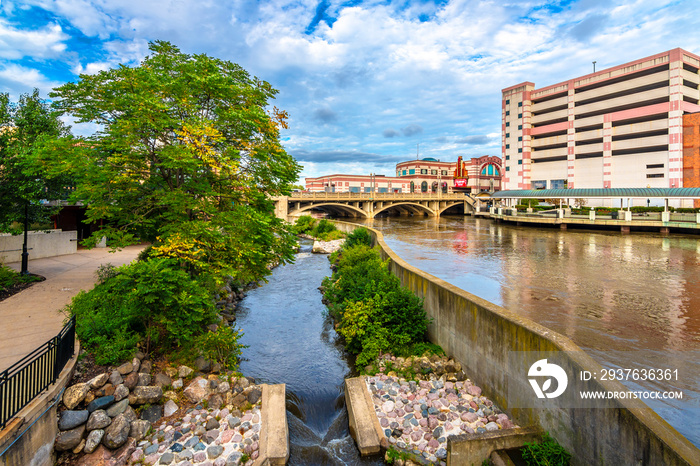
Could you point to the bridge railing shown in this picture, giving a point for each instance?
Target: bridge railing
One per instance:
(376, 196)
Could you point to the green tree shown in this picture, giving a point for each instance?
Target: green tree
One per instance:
(24, 126)
(187, 157)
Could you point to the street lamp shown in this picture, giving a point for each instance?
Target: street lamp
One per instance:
(25, 253)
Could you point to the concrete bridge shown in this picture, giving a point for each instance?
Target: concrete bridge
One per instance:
(370, 205)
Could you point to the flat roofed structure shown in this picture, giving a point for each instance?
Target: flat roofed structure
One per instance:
(618, 127)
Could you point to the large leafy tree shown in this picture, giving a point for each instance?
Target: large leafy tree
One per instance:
(187, 156)
(24, 126)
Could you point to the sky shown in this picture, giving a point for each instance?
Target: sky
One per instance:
(367, 84)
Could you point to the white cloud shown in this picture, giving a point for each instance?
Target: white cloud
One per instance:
(15, 43)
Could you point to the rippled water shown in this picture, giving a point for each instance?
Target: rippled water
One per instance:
(293, 342)
(625, 299)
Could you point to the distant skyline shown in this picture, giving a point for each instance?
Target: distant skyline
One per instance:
(364, 82)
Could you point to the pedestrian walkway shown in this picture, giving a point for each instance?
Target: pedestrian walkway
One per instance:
(34, 316)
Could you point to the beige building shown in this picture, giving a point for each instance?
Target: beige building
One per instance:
(620, 127)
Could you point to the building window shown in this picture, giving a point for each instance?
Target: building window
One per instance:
(520, 138)
(424, 171)
(520, 104)
(520, 162)
(433, 172)
(507, 146)
(507, 157)
(558, 184)
(520, 150)
(354, 189)
(655, 165)
(507, 169)
(490, 170)
(411, 171)
(368, 189)
(444, 172)
(403, 173)
(507, 123)
(655, 175)
(507, 135)
(507, 112)
(539, 184)
(507, 101)
(424, 187)
(520, 126)
(520, 115)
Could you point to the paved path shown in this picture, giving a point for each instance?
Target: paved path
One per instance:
(34, 316)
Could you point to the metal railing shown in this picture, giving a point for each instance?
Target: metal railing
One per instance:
(375, 196)
(23, 381)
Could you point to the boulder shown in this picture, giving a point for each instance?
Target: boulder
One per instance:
(105, 457)
(184, 371)
(131, 380)
(130, 414)
(72, 419)
(98, 420)
(197, 390)
(139, 429)
(170, 372)
(117, 432)
(215, 401)
(143, 395)
(177, 384)
(115, 378)
(118, 408)
(254, 396)
(74, 395)
(125, 368)
(145, 367)
(100, 403)
(170, 408)
(120, 392)
(202, 364)
(98, 381)
(152, 413)
(327, 247)
(93, 440)
(163, 380)
(136, 363)
(144, 379)
(69, 439)
(105, 390)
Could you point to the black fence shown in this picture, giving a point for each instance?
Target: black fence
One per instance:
(22, 382)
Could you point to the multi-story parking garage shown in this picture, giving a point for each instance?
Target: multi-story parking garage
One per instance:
(620, 127)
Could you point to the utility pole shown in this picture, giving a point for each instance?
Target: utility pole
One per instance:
(594, 66)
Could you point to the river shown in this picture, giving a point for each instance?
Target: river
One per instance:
(628, 300)
(292, 341)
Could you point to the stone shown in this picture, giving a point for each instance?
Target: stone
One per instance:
(93, 440)
(115, 378)
(138, 429)
(491, 426)
(147, 394)
(153, 413)
(144, 379)
(212, 423)
(234, 459)
(106, 390)
(103, 456)
(215, 401)
(117, 408)
(197, 390)
(98, 420)
(170, 408)
(72, 419)
(216, 368)
(117, 432)
(170, 371)
(167, 458)
(223, 387)
(121, 392)
(131, 380)
(215, 451)
(162, 380)
(98, 381)
(254, 396)
(178, 384)
(202, 364)
(145, 367)
(74, 395)
(125, 368)
(130, 414)
(69, 439)
(184, 371)
(473, 390)
(136, 363)
(100, 403)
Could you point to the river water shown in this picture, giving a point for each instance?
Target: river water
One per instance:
(628, 300)
(292, 341)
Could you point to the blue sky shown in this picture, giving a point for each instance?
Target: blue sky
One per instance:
(365, 82)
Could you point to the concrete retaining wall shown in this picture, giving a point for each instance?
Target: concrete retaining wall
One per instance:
(482, 335)
(35, 446)
(41, 244)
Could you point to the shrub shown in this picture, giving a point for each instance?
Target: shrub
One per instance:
(546, 453)
(154, 303)
(9, 278)
(304, 225)
(332, 235)
(222, 346)
(358, 236)
(322, 227)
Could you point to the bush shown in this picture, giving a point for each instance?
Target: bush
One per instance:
(332, 235)
(546, 453)
(358, 236)
(304, 225)
(9, 278)
(322, 227)
(154, 303)
(375, 314)
(222, 346)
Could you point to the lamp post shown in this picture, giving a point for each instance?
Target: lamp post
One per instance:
(25, 253)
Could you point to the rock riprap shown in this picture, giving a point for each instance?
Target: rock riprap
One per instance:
(417, 417)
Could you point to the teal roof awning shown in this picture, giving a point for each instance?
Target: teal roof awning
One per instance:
(610, 193)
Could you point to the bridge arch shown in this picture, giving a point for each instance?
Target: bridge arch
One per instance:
(333, 208)
(411, 206)
(448, 206)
